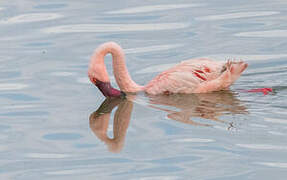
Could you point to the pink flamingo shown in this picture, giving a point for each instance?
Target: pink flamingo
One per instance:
(191, 76)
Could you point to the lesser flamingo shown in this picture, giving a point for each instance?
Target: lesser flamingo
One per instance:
(191, 76)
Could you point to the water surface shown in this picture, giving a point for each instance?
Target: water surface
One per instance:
(52, 124)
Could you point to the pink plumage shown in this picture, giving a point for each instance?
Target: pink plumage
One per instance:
(191, 76)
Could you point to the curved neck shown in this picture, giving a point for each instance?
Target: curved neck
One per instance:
(98, 71)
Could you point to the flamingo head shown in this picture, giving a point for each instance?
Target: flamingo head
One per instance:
(98, 76)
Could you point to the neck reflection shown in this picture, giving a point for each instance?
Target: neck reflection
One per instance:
(99, 122)
(179, 107)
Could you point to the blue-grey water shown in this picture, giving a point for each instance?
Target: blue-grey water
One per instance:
(52, 124)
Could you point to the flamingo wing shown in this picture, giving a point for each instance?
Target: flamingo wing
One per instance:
(184, 77)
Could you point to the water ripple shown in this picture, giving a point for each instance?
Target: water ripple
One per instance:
(274, 164)
(237, 15)
(76, 28)
(276, 133)
(12, 86)
(196, 140)
(275, 120)
(25, 106)
(83, 80)
(176, 159)
(145, 9)
(62, 74)
(18, 97)
(47, 156)
(152, 48)
(70, 172)
(158, 178)
(50, 6)
(62, 136)
(33, 17)
(24, 113)
(262, 146)
(270, 33)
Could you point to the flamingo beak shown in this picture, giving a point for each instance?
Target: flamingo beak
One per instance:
(107, 89)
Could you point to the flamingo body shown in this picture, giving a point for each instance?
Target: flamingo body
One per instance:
(186, 77)
(191, 76)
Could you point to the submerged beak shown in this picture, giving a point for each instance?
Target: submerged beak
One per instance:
(107, 89)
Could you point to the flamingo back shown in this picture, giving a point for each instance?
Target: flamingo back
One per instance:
(189, 75)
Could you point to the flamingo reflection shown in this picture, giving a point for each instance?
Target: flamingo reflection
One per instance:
(211, 106)
(179, 107)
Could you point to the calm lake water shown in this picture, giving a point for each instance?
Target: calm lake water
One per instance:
(52, 123)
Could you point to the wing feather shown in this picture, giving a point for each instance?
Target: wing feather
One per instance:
(184, 77)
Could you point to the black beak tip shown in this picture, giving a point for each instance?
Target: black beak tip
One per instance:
(123, 94)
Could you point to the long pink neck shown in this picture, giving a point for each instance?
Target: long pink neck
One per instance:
(98, 71)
